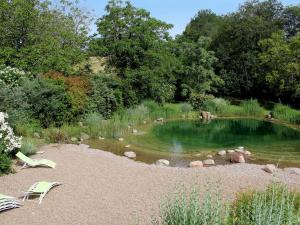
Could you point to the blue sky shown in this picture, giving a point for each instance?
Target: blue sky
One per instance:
(176, 12)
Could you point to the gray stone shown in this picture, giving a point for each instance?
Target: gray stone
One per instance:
(230, 151)
(222, 153)
(74, 139)
(36, 135)
(130, 155)
(209, 162)
(101, 138)
(270, 168)
(127, 146)
(84, 136)
(196, 164)
(134, 131)
(247, 153)
(237, 158)
(162, 162)
(209, 156)
(121, 139)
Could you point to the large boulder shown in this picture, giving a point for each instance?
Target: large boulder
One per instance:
(162, 162)
(270, 168)
(196, 164)
(209, 162)
(230, 151)
(237, 158)
(130, 155)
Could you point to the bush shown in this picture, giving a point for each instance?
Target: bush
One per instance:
(217, 106)
(12, 76)
(198, 100)
(187, 209)
(103, 99)
(287, 114)
(276, 205)
(49, 102)
(28, 127)
(5, 163)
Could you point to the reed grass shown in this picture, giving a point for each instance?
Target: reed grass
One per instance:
(286, 113)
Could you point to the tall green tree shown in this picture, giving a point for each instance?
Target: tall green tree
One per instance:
(281, 63)
(38, 36)
(237, 46)
(206, 23)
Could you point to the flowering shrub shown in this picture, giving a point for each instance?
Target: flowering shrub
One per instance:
(12, 76)
(8, 140)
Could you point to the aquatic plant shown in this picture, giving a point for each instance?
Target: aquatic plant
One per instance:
(286, 113)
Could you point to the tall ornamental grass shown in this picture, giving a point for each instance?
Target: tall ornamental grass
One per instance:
(188, 209)
(275, 206)
(286, 113)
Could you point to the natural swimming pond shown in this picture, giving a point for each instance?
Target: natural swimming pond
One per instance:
(184, 140)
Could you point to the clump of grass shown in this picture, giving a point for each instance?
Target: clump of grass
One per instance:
(55, 135)
(187, 209)
(252, 108)
(286, 113)
(93, 122)
(276, 205)
(27, 128)
(28, 147)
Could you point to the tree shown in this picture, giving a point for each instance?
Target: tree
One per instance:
(37, 36)
(196, 72)
(237, 48)
(128, 33)
(206, 23)
(291, 17)
(281, 63)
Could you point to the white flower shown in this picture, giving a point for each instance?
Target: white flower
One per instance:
(7, 135)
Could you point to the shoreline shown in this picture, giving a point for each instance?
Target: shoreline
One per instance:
(100, 187)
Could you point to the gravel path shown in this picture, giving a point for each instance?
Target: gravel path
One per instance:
(100, 188)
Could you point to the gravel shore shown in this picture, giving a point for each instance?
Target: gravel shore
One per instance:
(100, 188)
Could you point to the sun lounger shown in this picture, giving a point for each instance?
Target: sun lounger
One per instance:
(7, 202)
(40, 189)
(28, 162)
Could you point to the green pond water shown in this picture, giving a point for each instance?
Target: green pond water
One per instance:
(184, 140)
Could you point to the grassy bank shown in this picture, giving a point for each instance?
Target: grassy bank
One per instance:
(276, 205)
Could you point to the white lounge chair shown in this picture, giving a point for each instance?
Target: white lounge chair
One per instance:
(28, 162)
(7, 202)
(40, 189)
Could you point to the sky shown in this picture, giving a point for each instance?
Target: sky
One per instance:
(176, 12)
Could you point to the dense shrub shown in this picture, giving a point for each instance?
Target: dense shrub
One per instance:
(104, 96)
(49, 102)
(198, 100)
(5, 162)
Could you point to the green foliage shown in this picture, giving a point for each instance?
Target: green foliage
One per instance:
(27, 39)
(187, 209)
(5, 162)
(198, 100)
(205, 23)
(282, 66)
(49, 102)
(104, 96)
(28, 127)
(276, 205)
(287, 114)
(12, 77)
